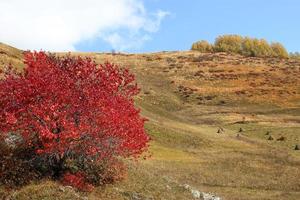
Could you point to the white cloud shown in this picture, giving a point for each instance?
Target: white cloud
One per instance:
(58, 25)
(129, 41)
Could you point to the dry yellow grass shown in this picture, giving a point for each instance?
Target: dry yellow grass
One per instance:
(10, 55)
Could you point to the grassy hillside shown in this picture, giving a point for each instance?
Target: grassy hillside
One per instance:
(10, 55)
(188, 98)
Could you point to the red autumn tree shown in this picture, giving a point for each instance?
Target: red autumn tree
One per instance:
(67, 106)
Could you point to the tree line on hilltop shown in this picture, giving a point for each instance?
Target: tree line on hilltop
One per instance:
(246, 46)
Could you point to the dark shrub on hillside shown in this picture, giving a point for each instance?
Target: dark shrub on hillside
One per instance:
(15, 166)
(202, 46)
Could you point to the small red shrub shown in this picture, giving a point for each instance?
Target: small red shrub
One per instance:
(76, 180)
(67, 107)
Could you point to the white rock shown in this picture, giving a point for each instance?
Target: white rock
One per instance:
(201, 195)
(12, 140)
(187, 187)
(196, 194)
(207, 196)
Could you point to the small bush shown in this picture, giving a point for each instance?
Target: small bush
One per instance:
(279, 50)
(15, 166)
(69, 119)
(17, 171)
(202, 46)
(256, 47)
(229, 44)
(248, 47)
(261, 48)
(77, 180)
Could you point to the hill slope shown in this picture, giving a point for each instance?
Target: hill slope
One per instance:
(188, 98)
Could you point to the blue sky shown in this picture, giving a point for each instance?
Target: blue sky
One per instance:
(143, 25)
(192, 20)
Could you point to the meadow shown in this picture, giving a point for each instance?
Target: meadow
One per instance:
(222, 123)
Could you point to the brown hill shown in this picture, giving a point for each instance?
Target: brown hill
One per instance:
(210, 117)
